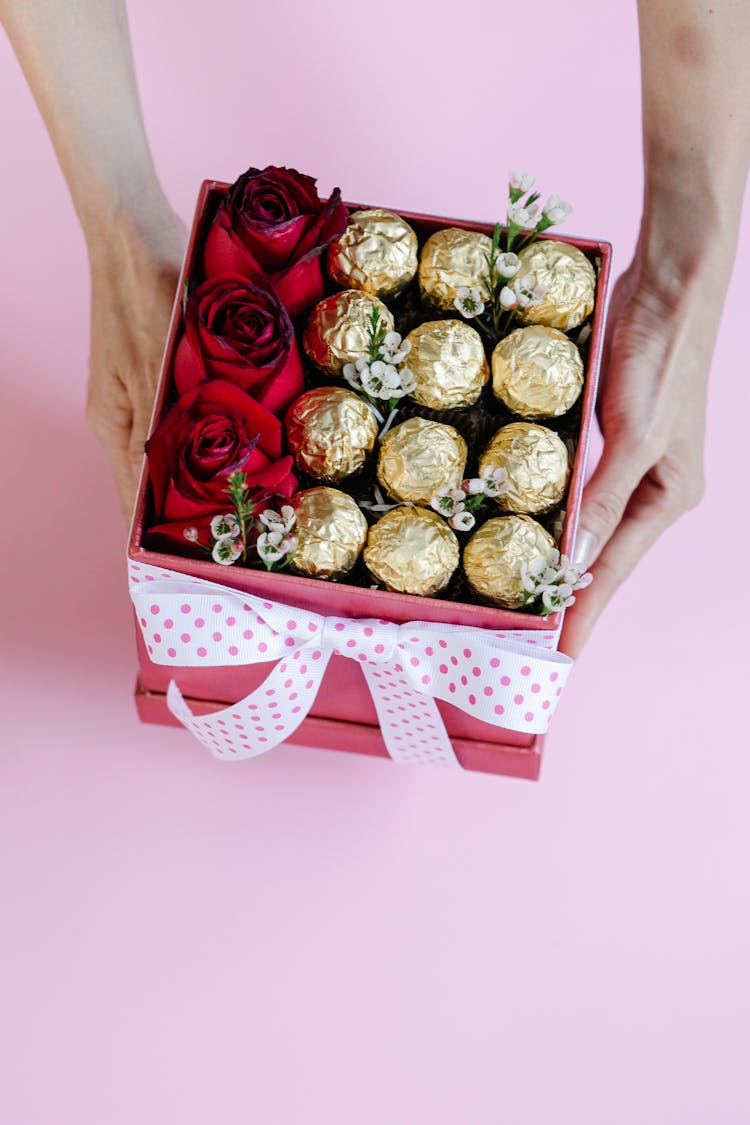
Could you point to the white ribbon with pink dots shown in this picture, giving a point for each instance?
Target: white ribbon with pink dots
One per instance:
(510, 679)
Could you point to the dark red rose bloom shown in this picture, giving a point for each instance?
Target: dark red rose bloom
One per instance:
(239, 331)
(272, 223)
(212, 430)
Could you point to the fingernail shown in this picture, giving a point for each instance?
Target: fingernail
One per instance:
(583, 549)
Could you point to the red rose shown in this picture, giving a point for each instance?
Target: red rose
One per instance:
(273, 224)
(211, 431)
(241, 332)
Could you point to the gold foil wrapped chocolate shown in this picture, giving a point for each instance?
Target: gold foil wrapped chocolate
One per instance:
(537, 372)
(419, 457)
(330, 431)
(331, 532)
(450, 259)
(537, 463)
(494, 555)
(568, 280)
(336, 332)
(412, 550)
(448, 363)
(377, 253)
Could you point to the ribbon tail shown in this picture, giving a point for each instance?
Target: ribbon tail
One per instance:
(411, 725)
(262, 720)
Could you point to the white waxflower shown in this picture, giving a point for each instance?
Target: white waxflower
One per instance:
(269, 546)
(469, 302)
(372, 380)
(393, 349)
(527, 291)
(278, 523)
(191, 534)
(508, 297)
(550, 599)
(495, 482)
(226, 550)
(507, 265)
(521, 181)
(448, 500)
(520, 216)
(462, 521)
(556, 210)
(474, 486)
(226, 525)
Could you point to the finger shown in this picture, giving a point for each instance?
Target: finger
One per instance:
(649, 511)
(606, 496)
(136, 446)
(112, 424)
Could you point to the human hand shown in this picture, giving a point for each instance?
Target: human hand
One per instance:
(135, 265)
(651, 409)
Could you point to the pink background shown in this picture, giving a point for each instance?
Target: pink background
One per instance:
(318, 937)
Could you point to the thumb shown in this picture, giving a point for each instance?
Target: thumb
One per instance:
(605, 499)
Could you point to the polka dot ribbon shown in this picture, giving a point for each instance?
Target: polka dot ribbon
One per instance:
(509, 679)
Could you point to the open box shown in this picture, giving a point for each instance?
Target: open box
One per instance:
(343, 716)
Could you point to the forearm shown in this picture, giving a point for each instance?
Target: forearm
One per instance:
(695, 64)
(77, 58)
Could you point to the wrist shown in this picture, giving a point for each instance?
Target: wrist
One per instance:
(689, 229)
(130, 219)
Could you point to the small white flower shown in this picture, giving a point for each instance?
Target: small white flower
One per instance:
(462, 521)
(289, 544)
(278, 523)
(507, 265)
(393, 349)
(521, 181)
(584, 581)
(362, 365)
(226, 550)
(508, 298)
(556, 210)
(191, 534)
(550, 599)
(520, 216)
(538, 566)
(269, 547)
(474, 486)
(448, 501)
(527, 291)
(469, 302)
(495, 482)
(226, 525)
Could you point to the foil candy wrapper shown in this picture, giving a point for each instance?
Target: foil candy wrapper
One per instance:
(537, 372)
(448, 362)
(568, 280)
(419, 457)
(330, 432)
(452, 258)
(331, 532)
(494, 555)
(537, 463)
(377, 253)
(336, 332)
(412, 551)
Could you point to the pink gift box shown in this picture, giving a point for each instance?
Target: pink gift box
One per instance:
(343, 715)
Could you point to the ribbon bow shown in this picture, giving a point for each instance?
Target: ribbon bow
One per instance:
(507, 679)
